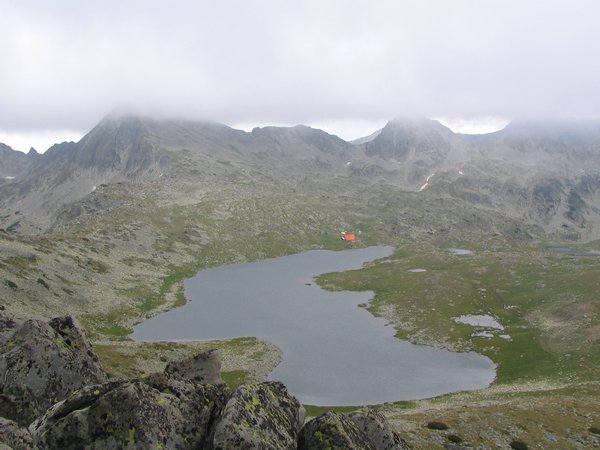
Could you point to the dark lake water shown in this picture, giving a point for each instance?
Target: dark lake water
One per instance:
(335, 353)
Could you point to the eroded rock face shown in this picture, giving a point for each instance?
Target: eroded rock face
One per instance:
(202, 368)
(361, 430)
(41, 363)
(156, 412)
(259, 416)
(14, 436)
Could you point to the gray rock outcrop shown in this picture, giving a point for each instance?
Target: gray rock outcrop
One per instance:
(13, 436)
(259, 416)
(202, 368)
(355, 431)
(41, 363)
(155, 412)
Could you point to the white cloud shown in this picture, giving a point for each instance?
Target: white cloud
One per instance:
(67, 63)
(474, 125)
(347, 129)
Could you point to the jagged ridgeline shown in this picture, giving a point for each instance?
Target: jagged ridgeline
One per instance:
(543, 173)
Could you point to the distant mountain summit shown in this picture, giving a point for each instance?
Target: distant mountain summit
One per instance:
(402, 139)
(544, 172)
(126, 148)
(13, 162)
(423, 146)
(568, 131)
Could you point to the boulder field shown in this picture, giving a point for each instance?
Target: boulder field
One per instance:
(55, 395)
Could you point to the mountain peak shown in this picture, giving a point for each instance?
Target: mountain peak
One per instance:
(418, 123)
(402, 137)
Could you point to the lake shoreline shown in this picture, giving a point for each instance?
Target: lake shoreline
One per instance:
(335, 354)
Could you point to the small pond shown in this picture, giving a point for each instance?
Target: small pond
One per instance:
(479, 320)
(573, 251)
(461, 251)
(483, 321)
(335, 353)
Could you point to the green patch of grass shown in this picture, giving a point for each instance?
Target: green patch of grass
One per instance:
(314, 411)
(117, 363)
(175, 275)
(114, 331)
(179, 298)
(139, 292)
(127, 359)
(234, 378)
(110, 325)
(333, 241)
(404, 404)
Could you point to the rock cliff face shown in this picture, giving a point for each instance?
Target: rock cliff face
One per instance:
(42, 362)
(361, 430)
(53, 383)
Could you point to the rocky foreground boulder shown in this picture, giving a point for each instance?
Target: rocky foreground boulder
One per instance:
(354, 431)
(261, 416)
(50, 373)
(14, 436)
(156, 412)
(41, 363)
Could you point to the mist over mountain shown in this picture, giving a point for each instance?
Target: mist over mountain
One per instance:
(544, 173)
(107, 228)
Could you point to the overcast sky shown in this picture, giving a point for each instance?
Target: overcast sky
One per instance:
(346, 66)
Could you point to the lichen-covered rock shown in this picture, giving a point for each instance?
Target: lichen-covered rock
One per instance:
(18, 403)
(374, 424)
(156, 412)
(202, 368)
(259, 416)
(14, 436)
(355, 431)
(41, 363)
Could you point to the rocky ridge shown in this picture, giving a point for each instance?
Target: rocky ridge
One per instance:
(65, 401)
(492, 171)
(13, 163)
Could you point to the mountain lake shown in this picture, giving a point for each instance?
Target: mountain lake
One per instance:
(335, 353)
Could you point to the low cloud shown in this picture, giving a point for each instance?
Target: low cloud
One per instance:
(68, 63)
